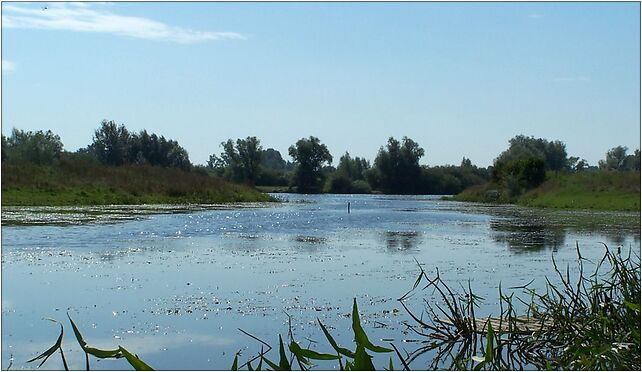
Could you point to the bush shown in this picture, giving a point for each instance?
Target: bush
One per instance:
(361, 187)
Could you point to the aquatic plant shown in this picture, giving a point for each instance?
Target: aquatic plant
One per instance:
(348, 360)
(121, 352)
(591, 323)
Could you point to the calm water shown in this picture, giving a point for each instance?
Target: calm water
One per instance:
(174, 284)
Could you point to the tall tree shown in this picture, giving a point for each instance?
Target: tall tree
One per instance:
(632, 162)
(250, 152)
(111, 143)
(350, 176)
(353, 168)
(615, 159)
(33, 147)
(309, 156)
(239, 161)
(115, 145)
(397, 167)
(272, 159)
(555, 156)
(553, 153)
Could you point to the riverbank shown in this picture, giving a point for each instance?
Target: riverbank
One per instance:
(602, 190)
(87, 183)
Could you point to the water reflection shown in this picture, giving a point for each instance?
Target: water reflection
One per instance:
(524, 235)
(524, 230)
(219, 270)
(402, 240)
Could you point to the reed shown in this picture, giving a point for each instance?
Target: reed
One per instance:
(118, 353)
(591, 322)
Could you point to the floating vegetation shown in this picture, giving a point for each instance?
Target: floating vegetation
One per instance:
(310, 239)
(348, 360)
(75, 215)
(402, 240)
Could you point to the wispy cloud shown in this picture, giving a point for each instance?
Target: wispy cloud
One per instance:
(83, 17)
(7, 66)
(572, 78)
(534, 15)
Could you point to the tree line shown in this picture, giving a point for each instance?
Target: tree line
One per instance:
(396, 168)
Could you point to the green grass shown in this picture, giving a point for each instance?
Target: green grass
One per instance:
(600, 190)
(86, 183)
(595, 190)
(581, 199)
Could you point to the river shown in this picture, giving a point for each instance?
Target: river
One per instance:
(174, 284)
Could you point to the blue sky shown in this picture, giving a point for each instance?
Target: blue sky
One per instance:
(461, 79)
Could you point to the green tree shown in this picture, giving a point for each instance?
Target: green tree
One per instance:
(111, 143)
(353, 168)
(274, 170)
(632, 162)
(525, 152)
(309, 156)
(555, 156)
(615, 159)
(272, 159)
(350, 176)
(519, 175)
(5, 147)
(466, 163)
(239, 161)
(32, 147)
(250, 152)
(396, 167)
(154, 150)
(524, 164)
(553, 153)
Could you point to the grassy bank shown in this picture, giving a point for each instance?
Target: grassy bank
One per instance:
(276, 189)
(87, 183)
(601, 190)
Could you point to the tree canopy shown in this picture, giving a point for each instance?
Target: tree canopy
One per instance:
(350, 176)
(240, 161)
(396, 167)
(617, 159)
(114, 145)
(309, 156)
(32, 147)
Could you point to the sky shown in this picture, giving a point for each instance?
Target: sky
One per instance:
(460, 79)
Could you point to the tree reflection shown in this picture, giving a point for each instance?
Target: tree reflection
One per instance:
(527, 234)
(524, 230)
(402, 240)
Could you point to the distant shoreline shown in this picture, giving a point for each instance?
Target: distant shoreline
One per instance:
(604, 190)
